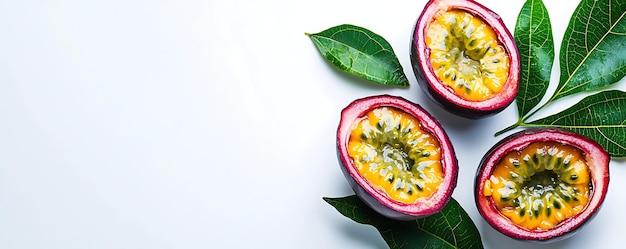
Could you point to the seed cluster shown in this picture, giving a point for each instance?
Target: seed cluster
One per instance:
(541, 185)
(397, 157)
(466, 56)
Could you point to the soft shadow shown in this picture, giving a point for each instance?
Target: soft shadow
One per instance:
(359, 82)
(494, 239)
(366, 236)
(446, 118)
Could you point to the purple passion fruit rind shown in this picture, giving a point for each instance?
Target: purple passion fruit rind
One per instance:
(594, 158)
(407, 145)
(452, 61)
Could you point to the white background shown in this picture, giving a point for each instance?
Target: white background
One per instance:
(204, 124)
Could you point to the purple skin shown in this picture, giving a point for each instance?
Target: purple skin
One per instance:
(375, 198)
(599, 169)
(430, 83)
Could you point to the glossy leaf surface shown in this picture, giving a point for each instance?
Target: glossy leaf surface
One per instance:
(450, 228)
(360, 52)
(593, 52)
(533, 36)
(601, 116)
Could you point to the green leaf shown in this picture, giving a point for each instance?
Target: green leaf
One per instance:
(533, 36)
(593, 52)
(601, 116)
(450, 228)
(360, 52)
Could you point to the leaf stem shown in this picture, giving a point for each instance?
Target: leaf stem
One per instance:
(511, 127)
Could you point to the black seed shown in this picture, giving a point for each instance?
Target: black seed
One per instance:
(472, 42)
(522, 212)
(548, 211)
(573, 177)
(486, 51)
(453, 76)
(536, 212)
(426, 154)
(515, 163)
(419, 187)
(496, 61)
(559, 161)
(398, 185)
(516, 202)
(379, 125)
(504, 198)
(535, 159)
(556, 205)
(363, 136)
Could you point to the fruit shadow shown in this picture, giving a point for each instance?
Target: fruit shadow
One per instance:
(359, 82)
(446, 118)
(365, 236)
(494, 239)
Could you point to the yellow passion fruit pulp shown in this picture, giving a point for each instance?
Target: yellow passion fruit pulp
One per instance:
(391, 151)
(396, 157)
(542, 184)
(466, 56)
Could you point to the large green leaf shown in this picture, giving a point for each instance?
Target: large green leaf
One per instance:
(450, 228)
(533, 36)
(593, 52)
(601, 116)
(361, 52)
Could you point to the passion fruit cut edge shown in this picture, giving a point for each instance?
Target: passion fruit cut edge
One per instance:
(429, 81)
(597, 160)
(373, 197)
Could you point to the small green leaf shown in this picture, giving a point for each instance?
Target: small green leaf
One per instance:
(533, 36)
(593, 52)
(450, 228)
(360, 52)
(601, 116)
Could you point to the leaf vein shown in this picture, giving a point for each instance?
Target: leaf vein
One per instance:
(588, 52)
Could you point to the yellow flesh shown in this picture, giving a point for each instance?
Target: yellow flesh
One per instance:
(538, 193)
(395, 156)
(466, 56)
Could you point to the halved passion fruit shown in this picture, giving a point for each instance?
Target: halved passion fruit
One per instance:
(465, 58)
(542, 184)
(396, 157)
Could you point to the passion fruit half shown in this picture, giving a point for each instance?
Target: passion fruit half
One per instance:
(465, 58)
(396, 157)
(542, 184)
